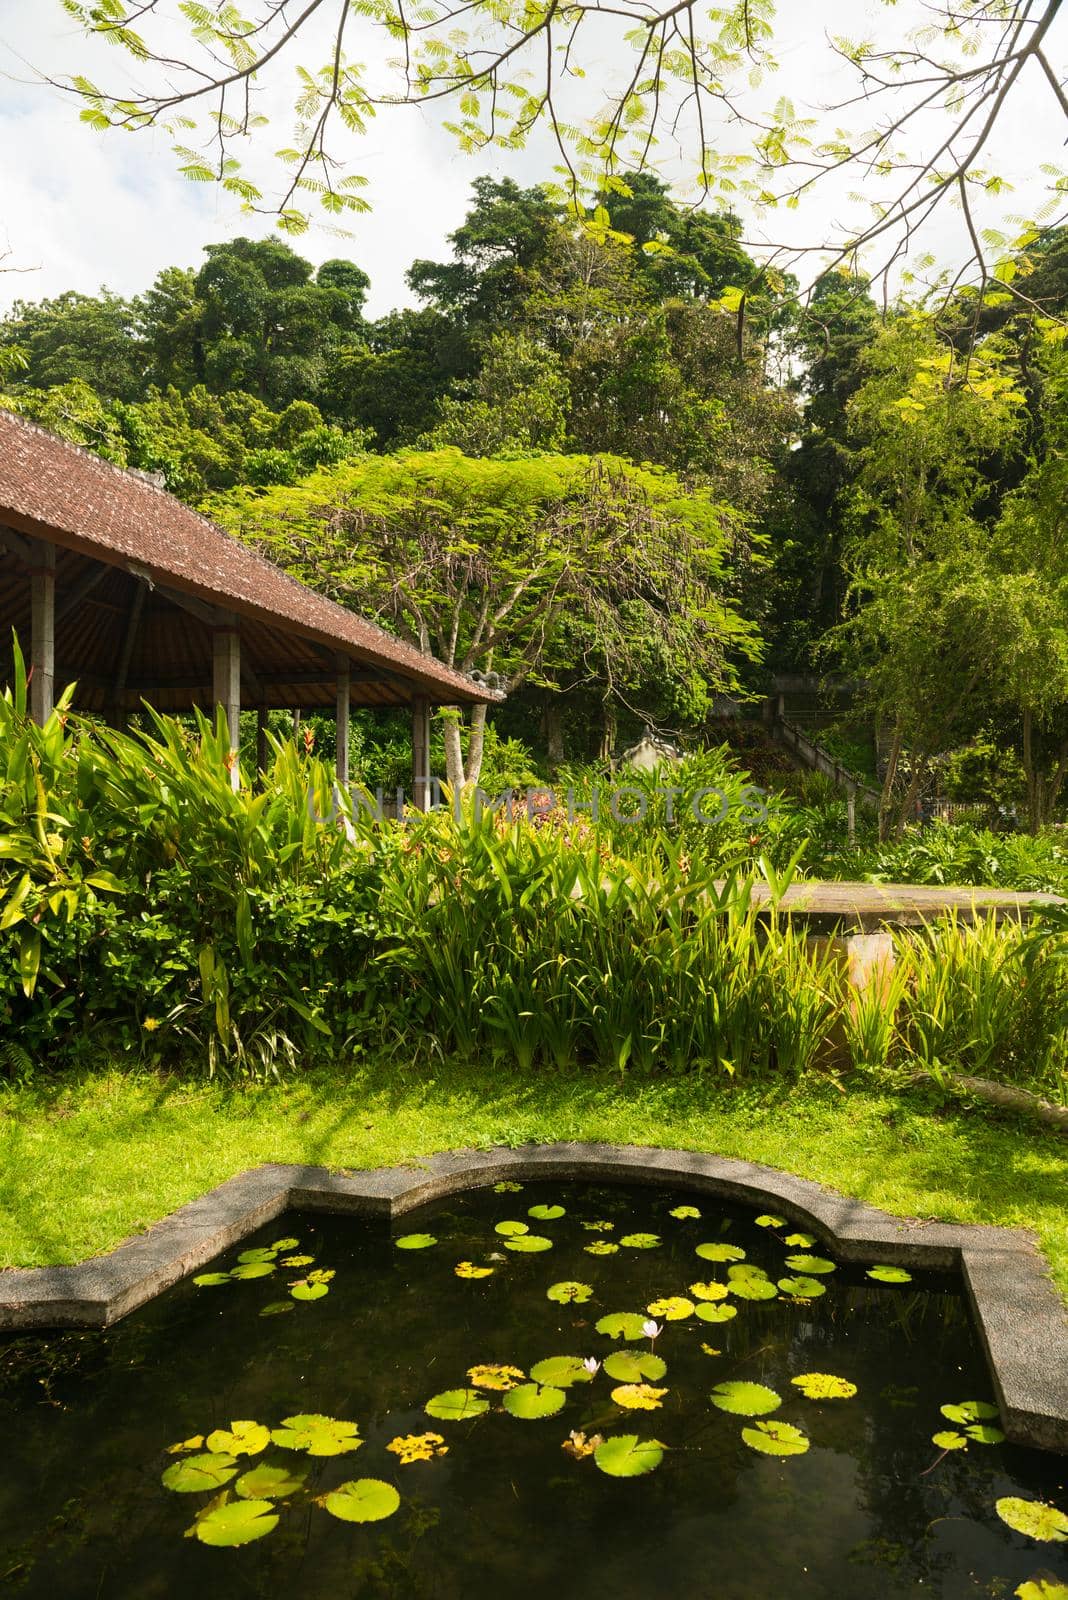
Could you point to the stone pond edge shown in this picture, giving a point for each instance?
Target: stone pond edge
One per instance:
(1020, 1316)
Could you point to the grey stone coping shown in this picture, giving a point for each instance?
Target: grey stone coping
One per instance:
(1019, 1314)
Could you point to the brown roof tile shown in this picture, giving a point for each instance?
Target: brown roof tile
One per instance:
(55, 490)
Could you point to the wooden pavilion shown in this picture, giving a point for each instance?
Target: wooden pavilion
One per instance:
(117, 586)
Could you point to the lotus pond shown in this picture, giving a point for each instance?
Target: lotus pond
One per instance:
(534, 1390)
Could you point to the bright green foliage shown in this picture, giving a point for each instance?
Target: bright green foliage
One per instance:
(226, 1523)
(195, 1474)
(627, 1325)
(745, 1399)
(362, 1500)
(634, 1366)
(824, 1386)
(415, 1241)
(317, 1435)
(1034, 1519)
(560, 1372)
(569, 1293)
(239, 1439)
(456, 1405)
(533, 1401)
(776, 1439)
(627, 1456)
(269, 1483)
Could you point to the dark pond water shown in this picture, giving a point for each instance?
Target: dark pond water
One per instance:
(85, 1422)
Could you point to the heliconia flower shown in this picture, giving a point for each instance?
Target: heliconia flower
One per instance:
(592, 1365)
(651, 1329)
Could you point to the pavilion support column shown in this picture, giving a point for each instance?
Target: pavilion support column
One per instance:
(226, 679)
(344, 690)
(42, 630)
(421, 754)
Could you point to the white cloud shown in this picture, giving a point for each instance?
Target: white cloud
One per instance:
(78, 209)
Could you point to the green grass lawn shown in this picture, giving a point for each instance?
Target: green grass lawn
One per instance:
(86, 1163)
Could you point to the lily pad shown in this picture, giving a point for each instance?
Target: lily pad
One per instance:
(285, 1244)
(560, 1372)
(752, 1286)
(638, 1396)
(211, 1280)
(456, 1405)
(240, 1439)
(622, 1325)
(506, 1186)
(970, 1411)
(949, 1439)
(410, 1241)
(715, 1313)
(199, 1474)
(627, 1456)
(776, 1439)
(745, 1399)
(810, 1265)
(227, 1523)
(532, 1401)
(672, 1307)
(184, 1446)
(411, 1447)
(317, 1435)
(467, 1269)
(362, 1500)
(824, 1386)
(601, 1247)
(528, 1243)
(598, 1227)
(277, 1308)
(640, 1241)
(1043, 1586)
(305, 1290)
(250, 1256)
(296, 1261)
(269, 1483)
(495, 1377)
(983, 1433)
(768, 1220)
(800, 1241)
(634, 1366)
(569, 1293)
(547, 1213)
(1034, 1519)
(253, 1269)
(684, 1213)
(715, 1250)
(889, 1275)
(511, 1230)
(802, 1288)
(709, 1291)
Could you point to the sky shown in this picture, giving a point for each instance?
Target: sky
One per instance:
(79, 209)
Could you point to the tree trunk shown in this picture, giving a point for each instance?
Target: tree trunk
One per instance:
(454, 757)
(475, 743)
(908, 802)
(608, 732)
(1034, 781)
(1057, 781)
(554, 733)
(886, 798)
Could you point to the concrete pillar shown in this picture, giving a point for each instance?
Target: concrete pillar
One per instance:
(226, 678)
(421, 754)
(42, 630)
(344, 683)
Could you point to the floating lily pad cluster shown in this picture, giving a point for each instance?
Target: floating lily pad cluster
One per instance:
(264, 1262)
(248, 1498)
(244, 1504)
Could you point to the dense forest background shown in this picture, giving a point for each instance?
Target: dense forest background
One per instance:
(624, 466)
